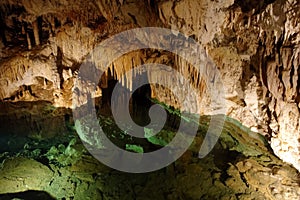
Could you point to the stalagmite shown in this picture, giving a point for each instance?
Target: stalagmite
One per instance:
(36, 32)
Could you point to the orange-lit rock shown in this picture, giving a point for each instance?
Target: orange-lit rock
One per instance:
(254, 45)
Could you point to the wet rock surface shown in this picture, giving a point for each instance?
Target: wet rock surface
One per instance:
(241, 166)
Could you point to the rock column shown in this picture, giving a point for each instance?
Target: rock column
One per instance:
(36, 32)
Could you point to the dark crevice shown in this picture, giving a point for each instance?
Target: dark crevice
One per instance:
(59, 65)
(224, 176)
(244, 179)
(247, 74)
(30, 194)
(44, 34)
(257, 5)
(292, 72)
(223, 157)
(280, 70)
(2, 29)
(94, 24)
(152, 3)
(45, 161)
(268, 121)
(278, 47)
(133, 18)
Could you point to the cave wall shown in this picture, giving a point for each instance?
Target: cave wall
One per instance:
(256, 48)
(255, 45)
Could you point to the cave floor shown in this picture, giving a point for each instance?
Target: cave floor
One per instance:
(239, 167)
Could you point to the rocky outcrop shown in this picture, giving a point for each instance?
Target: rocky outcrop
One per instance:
(255, 46)
(21, 175)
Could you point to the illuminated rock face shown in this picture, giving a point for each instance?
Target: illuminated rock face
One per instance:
(255, 45)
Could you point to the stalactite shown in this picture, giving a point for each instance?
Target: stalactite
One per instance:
(52, 24)
(36, 32)
(28, 41)
(23, 29)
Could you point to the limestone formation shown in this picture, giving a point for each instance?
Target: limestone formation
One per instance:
(254, 44)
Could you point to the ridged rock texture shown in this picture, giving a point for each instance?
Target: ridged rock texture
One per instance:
(254, 44)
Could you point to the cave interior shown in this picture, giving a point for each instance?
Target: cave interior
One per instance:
(44, 145)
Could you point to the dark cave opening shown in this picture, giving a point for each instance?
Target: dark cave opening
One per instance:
(139, 100)
(140, 105)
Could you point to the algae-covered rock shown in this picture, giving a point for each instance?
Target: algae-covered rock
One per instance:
(88, 131)
(162, 138)
(134, 148)
(241, 166)
(21, 174)
(66, 156)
